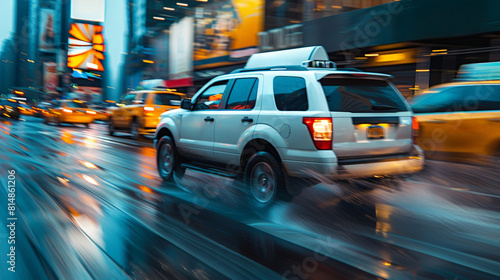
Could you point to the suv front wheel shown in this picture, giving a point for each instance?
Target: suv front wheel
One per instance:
(265, 179)
(167, 160)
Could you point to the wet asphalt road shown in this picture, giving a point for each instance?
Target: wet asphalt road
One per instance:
(91, 206)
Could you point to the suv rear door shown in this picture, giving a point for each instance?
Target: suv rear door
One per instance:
(370, 117)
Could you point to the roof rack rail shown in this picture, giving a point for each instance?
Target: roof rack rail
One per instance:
(273, 68)
(350, 69)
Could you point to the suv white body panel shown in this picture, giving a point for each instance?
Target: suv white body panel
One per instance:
(223, 140)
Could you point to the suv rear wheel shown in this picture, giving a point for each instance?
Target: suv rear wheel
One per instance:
(167, 160)
(265, 179)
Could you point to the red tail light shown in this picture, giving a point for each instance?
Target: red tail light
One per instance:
(320, 130)
(415, 127)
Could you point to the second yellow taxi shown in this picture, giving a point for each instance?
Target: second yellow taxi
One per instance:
(70, 111)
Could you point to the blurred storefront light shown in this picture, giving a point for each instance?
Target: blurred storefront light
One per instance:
(390, 57)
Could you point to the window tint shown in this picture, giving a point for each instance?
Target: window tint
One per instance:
(211, 97)
(290, 93)
(361, 96)
(241, 92)
(448, 99)
(253, 96)
(128, 99)
(167, 99)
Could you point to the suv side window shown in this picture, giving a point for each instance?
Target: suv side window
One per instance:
(243, 94)
(128, 99)
(211, 97)
(290, 93)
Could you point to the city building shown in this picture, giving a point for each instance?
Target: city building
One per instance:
(419, 42)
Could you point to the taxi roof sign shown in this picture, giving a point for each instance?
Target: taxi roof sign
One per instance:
(479, 71)
(292, 57)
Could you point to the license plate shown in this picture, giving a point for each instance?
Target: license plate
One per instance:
(375, 132)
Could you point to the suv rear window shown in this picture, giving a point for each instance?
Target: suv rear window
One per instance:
(167, 99)
(290, 93)
(361, 96)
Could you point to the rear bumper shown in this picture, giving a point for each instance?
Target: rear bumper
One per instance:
(329, 166)
(76, 119)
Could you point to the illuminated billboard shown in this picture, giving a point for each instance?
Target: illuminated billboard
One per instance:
(86, 47)
(89, 10)
(181, 49)
(46, 28)
(226, 32)
(50, 77)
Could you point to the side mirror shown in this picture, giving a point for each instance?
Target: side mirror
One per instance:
(186, 104)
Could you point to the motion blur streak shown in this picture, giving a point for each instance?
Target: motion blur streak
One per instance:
(103, 213)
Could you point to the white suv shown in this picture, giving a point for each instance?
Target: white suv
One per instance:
(286, 115)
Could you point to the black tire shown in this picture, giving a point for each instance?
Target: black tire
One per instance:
(111, 128)
(87, 125)
(168, 161)
(134, 130)
(265, 180)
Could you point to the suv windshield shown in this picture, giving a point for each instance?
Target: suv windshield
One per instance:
(361, 96)
(167, 99)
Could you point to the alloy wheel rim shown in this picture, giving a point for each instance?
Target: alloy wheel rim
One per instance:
(166, 159)
(263, 182)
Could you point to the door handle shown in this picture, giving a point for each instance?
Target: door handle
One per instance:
(209, 119)
(436, 121)
(246, 119)
(494, 120)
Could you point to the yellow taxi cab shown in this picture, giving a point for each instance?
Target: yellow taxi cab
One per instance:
(459, 120)
(139, 112)
(100, 113)
(70, 111)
